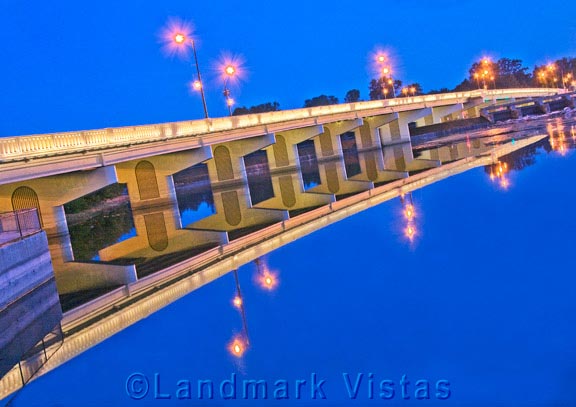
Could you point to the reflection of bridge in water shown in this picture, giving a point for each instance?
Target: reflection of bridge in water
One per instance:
(258, 194)
(164, 259)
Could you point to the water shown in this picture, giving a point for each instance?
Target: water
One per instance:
(479, 308)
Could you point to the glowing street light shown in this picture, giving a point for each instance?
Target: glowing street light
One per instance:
(229, 72)
(177, 38)
(385, 71)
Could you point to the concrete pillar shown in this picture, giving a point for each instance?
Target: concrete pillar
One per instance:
(328, 143)
(49, 194)
(158, 233)
(283, 154)
(400, 157)
(150, 181)
(368, 135)
(374, 170)
(397, 131)
(333, 180)
(289, 194)
(73, 276)
(228, 163)
(234, 211)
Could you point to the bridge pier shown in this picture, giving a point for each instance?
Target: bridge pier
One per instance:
(73, 276)
(228, 162)
(328, 144)
(368, 134)
(335, 180)
(234, 211)
(374, 169)
(49, 194)
(283, 154)
(159, 232)
(150, 181)
(289, 194)
(400, 157)
(397, 131)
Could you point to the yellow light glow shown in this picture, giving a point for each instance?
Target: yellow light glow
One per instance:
(410, 232)
(268, 280)
(179, 38)
(237, 301)
(230, 70)
(409, 212)
(380, 58)
(386, 71)
(197, 85)
(237, 347)
(229, 101)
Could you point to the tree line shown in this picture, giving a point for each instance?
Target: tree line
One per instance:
(501, 74)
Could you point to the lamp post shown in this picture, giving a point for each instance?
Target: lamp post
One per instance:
(180, 39)
(229, 71)
(385, 72)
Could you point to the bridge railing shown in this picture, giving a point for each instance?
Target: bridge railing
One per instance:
(18, 224)
(21, 147)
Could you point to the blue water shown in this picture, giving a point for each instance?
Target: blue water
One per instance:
(481, 303)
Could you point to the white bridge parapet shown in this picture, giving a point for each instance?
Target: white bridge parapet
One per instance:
(45, 145)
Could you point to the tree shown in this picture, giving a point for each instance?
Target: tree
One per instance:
(352, 96)
(414, 89)
(381, 88)
(559, 73)
(261, 108)
(441, 90)
(321, 100)
(511, 74)
(504, 73)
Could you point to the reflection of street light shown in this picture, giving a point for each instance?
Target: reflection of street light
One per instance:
(177, 39)
(237, 346)
(266, 279)
(238, 302)
(409, 213)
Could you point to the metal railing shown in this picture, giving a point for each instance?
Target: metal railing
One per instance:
(18, 224)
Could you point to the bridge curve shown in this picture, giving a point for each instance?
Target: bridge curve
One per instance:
(25, 157)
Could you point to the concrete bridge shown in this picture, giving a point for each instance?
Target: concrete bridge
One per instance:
(532, 106)
(47, 171)
(386, 173)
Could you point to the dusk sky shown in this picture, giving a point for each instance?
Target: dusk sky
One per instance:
(81, 65)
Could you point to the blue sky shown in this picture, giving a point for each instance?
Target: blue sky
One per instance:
(79, 65)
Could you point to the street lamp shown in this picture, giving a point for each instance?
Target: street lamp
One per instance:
(229, 72)
(386, 72)
(180, 40)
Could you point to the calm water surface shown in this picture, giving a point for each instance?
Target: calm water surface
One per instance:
(482, 303)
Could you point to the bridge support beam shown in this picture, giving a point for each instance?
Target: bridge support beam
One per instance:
(368, 135)
(334, 180)
(328, 143)
(374, 170)
(49, 194)
(228, 162)
(150, 180)
(289, 194)
(397, 131)
(159, 232)
(234, 211)
(400, 157)
(283, 154)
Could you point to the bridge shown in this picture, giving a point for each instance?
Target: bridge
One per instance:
(47, 171)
